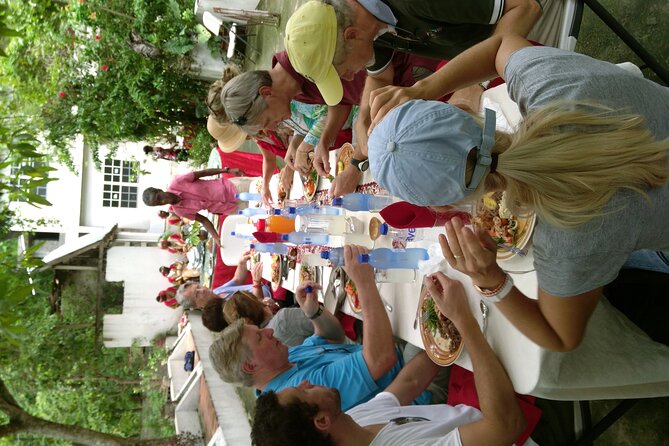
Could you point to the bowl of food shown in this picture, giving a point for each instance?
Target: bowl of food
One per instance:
(510, 232)
(442, 340)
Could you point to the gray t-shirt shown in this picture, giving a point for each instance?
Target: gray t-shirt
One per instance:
(291, 326)
(573, 261)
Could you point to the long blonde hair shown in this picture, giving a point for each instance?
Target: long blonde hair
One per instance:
(566, 163)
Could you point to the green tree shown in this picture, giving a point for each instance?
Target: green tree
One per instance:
(111, 71)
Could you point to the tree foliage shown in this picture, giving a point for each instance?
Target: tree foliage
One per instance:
(73, 70)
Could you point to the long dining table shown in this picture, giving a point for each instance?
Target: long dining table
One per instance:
(615, 361)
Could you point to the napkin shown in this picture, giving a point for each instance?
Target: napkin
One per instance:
(435, 262)
(406, 215)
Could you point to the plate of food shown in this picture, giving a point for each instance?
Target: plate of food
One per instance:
(442, 341)
(307, 274)
(310, 183)
(510, 232)
(344, 156)
(352, 296)
(275, 271)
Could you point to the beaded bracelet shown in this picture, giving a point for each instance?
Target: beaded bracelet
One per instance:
(499, 292)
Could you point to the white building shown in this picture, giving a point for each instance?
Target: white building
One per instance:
(86, 204)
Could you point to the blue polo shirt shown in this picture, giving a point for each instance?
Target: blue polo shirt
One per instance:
(336, 365)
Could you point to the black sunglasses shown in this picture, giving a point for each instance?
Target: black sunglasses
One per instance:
(242, 120)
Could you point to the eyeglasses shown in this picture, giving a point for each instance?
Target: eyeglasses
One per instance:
(242, 120)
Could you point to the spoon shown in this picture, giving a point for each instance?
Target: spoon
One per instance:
(484, 313)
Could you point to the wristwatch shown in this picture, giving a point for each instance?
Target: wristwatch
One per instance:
(362, 165)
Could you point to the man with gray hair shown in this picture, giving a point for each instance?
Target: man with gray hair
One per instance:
(248, 355)
(331, 39)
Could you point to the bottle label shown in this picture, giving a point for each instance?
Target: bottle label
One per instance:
(411, 234)
(399, 243)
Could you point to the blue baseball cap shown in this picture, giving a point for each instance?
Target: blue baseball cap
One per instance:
(418, 152)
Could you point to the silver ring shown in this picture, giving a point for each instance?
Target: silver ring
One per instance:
(458, 257)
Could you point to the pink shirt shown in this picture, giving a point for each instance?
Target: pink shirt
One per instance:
(217, 196)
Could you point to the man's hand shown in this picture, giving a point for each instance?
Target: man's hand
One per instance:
(303, 158)
(346, 182)
(360, 273)
(308, 301)
(449, 296)
(289, 158)
(322, 159)
(266, 194)
(286, 178)
(384, 99)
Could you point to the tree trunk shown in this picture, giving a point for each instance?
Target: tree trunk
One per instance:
(22, 422)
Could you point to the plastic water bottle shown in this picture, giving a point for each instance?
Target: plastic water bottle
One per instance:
(335, 256)
(249, 196)
(385, 258)
(401, 237)
(250, 212)
(241, 235)
(363, 202)
(272, 248)
(309, 209)
(305, 238)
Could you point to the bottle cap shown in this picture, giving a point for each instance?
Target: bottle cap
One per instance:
(292, 210)
(325, 255)
(383, 229)
(252, 246)
(284, 237)
(363, 258)
(240, 213)
(308, 289)
(338, 201)
(237, 196)
(233, 233)
(260, 225)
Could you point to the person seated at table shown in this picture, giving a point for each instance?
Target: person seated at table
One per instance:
(306, 122)
(309, 413)
(290, 325)
(178, 274)
(175, 244)
(193, 295)
(237, 101)
(333, 41)
(252, 356)
(168, 297)
(589, 158)
(188, 194)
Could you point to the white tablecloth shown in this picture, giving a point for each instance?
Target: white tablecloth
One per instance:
(616, 360)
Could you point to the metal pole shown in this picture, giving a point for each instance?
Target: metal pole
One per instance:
(615, 26)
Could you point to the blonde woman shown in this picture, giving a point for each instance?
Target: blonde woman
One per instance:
(590, 158)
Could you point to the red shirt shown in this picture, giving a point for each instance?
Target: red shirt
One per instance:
(309, 92)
